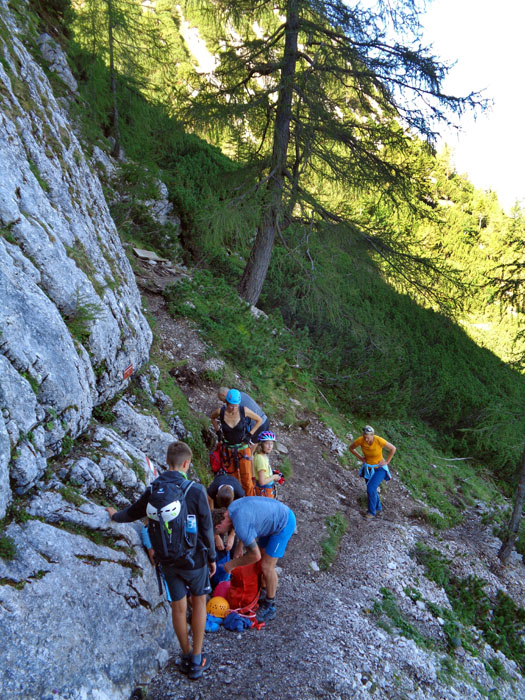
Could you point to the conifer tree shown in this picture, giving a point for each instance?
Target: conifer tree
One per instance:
(325, 105)
(507, 279)
(515, 518)
(120, 41)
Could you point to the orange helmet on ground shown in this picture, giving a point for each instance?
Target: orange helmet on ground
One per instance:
(218, 606)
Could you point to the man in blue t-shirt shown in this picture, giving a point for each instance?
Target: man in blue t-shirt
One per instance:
(265, 527)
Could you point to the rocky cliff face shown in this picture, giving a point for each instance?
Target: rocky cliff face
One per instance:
(80, 613)
(70, 317)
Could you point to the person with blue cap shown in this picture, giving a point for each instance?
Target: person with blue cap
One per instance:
(248, 402)
(230, 423)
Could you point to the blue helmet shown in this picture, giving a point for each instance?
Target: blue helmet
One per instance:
(233, 396)
(267, 435)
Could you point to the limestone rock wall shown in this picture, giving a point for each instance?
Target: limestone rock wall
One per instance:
(70, 312)
(81, 617)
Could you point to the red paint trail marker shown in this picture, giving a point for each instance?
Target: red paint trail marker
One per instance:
(151, 467)
(128, 371)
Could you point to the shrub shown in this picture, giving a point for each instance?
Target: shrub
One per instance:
(7, 548)
(389, 608)
(72, 495)
(336, 525)
(501, 620)
(80, 321)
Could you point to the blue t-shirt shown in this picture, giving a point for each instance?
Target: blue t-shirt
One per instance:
(254, 517)
(248, 402)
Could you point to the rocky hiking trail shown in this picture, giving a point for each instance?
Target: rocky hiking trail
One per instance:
(324, 642)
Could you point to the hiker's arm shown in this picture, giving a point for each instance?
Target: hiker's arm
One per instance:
(205, 523)
(214, 417)
(355, 452)
(136, 511)
(253, 416)
(262, 480)
(146, 541)
(253, 554)
(391, 451)
(230, 540)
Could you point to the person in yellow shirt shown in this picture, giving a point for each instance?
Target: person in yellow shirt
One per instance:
(262, 472)
(375, 466)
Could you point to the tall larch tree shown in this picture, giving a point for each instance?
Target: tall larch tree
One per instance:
(324, 105)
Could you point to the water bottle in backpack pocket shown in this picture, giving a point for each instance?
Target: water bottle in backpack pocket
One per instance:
(172, 530)
(191, 524)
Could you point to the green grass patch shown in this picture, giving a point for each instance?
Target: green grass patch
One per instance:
(445, 484)
(35, 386)
(83, 317)
(97, 536)
(500, 619)
(7, 234)
(67, 445)
(18, 585)
(285, 467)
(139, 470)
(36, 172)
(390, 618)
(264, 351)
(7, 548)
(72, 495)
(103, 413)
(336, 526)
(17, 513)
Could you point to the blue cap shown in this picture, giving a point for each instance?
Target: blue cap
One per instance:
(233, 396)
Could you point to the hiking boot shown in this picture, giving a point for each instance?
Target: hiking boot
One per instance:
(369, 516)
(266, 612)
(196, 670)
(185, 663)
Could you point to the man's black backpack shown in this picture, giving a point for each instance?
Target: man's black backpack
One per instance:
(173, 532)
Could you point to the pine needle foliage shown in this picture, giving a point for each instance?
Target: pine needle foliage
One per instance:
(500, 619)
(320, 90)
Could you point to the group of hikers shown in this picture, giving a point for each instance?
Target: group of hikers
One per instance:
(237, 520)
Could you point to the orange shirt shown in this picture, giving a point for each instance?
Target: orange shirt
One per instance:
(373, 453)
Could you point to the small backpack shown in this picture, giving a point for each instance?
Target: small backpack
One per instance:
(173, 532)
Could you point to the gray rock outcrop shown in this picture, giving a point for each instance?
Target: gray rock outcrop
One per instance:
(70, 319)
(65, 600)
(80, 613)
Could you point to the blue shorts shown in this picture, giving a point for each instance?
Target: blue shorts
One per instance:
(275, 545)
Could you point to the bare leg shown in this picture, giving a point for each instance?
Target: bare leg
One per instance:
(178, 616)
(270, 575)
(198, 621)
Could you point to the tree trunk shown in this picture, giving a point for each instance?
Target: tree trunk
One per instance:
(115, 152)
(256, 268)
(512, 531)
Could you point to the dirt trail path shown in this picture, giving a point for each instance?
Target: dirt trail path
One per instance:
(324, 643)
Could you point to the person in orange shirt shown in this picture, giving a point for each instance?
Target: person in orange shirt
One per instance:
(375, 466)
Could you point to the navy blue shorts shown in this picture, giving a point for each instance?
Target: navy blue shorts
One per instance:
(197, 580)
